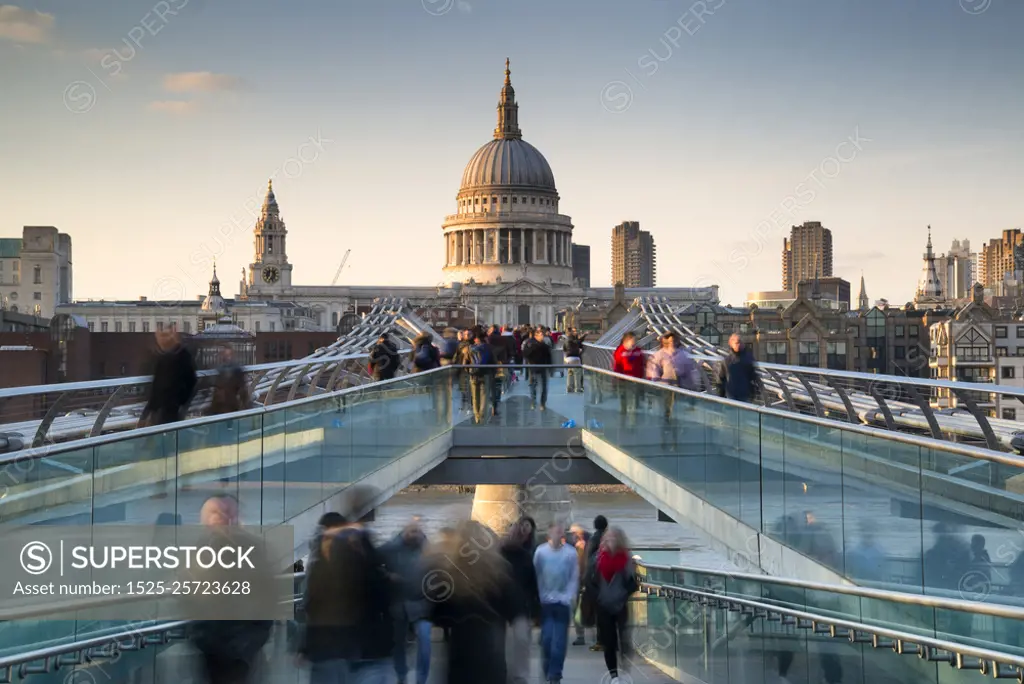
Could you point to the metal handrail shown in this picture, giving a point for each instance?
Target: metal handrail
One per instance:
(55, 449)
(900, 640)
(987, 388)
(906, 438)
(997, 610)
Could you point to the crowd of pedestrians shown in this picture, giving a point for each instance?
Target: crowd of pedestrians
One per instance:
(485, 596)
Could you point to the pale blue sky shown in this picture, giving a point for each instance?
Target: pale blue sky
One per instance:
(720, 128)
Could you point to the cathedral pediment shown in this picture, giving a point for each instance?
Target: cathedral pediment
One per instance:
(522, 287)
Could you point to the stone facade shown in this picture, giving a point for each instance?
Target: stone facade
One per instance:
(35, 271)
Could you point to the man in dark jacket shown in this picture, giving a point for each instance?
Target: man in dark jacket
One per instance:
(588, 600)
(174, 381)
(403, 556)
(737, 373)
(384, 359)
(482, 383)
(230, 649)
(573, 354)
(536, 353)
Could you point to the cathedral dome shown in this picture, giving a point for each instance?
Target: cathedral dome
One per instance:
(508, 159)
(508, 162)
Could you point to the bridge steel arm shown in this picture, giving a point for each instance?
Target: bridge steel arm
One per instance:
(97, 427)
(44, 425)
(786, 394)
(964, 397)
(929, 415)
(819, 410)
(851, 412)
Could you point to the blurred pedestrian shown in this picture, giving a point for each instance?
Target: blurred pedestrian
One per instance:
(578, 538)
(737, 372)
(230, 390)
(482, 382)
(174, 381)
(404, 558)
(588, 601)
(384, 359)
(517, 550)
(470, 591)
(573, 349)
(230, 649)
(558, 581)
(613, 581)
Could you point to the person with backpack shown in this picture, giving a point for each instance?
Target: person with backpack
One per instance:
(482, 383)
(464, 357)
(737, 373)
(384, 360)
(613, 581)
(573, 348)
(426, 357)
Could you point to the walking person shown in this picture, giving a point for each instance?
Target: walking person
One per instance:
(673, 366)
(613, 581)
(174, 381)
(573, 348)
(629, 360)
(578, 538)
(384, 361)
(537, 353)
(481, 377)
(230, 390)
(464, 358)
(323, 639)
(403, 557)
(558, 579)
(426, 357)
(230, 649)
(470, 591)
(517, 550)
(737, 373)
(588, 599)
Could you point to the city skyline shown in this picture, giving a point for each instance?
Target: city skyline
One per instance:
(702, 148)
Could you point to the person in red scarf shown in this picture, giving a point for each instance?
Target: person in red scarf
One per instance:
(613, 580)
(629, 360)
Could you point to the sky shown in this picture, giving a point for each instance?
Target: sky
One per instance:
(148, 130)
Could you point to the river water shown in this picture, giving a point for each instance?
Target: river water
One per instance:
(657, 542)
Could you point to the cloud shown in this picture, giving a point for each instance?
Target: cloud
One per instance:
(200, 82)
(172, 106)
(25, 26)
(464, 6)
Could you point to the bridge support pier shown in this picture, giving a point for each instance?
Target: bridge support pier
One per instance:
(498, 506)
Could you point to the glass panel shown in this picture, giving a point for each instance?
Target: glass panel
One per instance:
(135, 480)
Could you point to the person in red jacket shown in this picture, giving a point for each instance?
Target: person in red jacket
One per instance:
(629, 360)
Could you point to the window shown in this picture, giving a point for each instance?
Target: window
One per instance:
(533, 200)
(1007, 372)
(103, 327)
(1009, 414)
(37, 275)
(1020, 331)
(808, 354)
(145, 326)
(504, 200)
(900, 353)
(1002, 351)
(117, 326)
(775, 352)
(899, 331)
(334, 319)
(257, 326)
(187, 326)
(915, 331)
(160, 326)
(131, 326)
(875, 326)
(37, 296)
(515, 200)
(836, 355)
(1001, 331)
(273, 326)
(92, 326)
(1020, 351)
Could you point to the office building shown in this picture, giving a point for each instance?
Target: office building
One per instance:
(806, 254)
(634, 258)
(35, 271)
(581, 265)
(999, 261)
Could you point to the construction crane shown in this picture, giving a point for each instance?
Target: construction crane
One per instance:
(338, 274)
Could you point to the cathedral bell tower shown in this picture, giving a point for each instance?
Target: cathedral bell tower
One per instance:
(270, 271)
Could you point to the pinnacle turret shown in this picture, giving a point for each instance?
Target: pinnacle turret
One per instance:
(508, 110)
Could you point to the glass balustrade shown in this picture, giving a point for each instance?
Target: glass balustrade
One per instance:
(909, 513)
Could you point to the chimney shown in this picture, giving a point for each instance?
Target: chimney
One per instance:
(142, 299)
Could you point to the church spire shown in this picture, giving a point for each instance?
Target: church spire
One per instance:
(862, 298)
(508, 110)
(929, 291)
